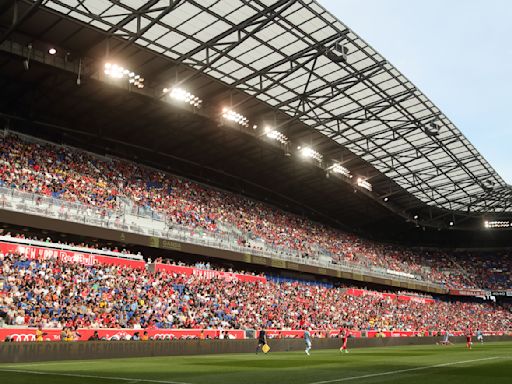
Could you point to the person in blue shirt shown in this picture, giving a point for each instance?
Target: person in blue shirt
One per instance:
(307, 339)
(479, 336)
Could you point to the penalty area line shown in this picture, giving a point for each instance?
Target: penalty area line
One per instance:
(403, 370)
(113, 378)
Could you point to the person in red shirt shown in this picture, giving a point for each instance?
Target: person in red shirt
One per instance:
(469, 335)
(344, 333)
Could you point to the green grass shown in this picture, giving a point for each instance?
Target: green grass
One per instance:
(487, 363)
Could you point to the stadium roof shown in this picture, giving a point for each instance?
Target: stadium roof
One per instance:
(297, 57)
(104, 116)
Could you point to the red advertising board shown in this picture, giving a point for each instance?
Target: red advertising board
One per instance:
(208, 273)
(29, 334)
(67, 256)
(469, 292)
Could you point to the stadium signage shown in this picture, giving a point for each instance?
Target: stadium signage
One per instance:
(362, 292)
(66, 256)
(469, 292)
(501, 293)
(208, 273)
(52, 334)
(169, 244)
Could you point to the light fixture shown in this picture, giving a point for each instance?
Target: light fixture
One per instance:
(115, 71)
(231, 115)
(433, 128)
(183, 95)
(52, 51)
(339, 169)
(451, 223)
(386, 199)
(497, 224)
(309, 152)
(275, 135)
(364, 184)
(416, 217)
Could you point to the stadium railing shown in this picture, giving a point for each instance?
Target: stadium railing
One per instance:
(131, 219)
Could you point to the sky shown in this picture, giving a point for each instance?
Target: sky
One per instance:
(457, 52)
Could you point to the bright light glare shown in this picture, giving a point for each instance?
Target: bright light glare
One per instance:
(275, 135)
(117, 72)
(310, 153)
(231, 115)
(364, 184)
(339, 169)
(52, 51)
(183, 95)
(497, 224)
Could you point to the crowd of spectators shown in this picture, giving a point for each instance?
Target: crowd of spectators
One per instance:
(77, 176)
(54, 294)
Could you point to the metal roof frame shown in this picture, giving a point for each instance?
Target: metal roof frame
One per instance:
(281, 52)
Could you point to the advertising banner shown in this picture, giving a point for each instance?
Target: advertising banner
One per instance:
(67, 256)
(29, 334)
(208, 273)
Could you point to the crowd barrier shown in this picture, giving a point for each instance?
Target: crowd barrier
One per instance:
(29, 334)
(48, 351)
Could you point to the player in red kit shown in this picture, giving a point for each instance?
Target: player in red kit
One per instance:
(344, 333)
(469, 335)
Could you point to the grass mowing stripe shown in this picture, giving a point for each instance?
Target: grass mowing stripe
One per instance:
(403, 371)
(114, 378)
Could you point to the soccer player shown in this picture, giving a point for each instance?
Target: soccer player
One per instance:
(479, 336)
(469, 335)
(344, 333)
(262, 340)
(446, 339)
(307, 339)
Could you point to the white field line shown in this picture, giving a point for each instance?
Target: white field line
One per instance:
(113, 378)
(22, 365)
(389, 373)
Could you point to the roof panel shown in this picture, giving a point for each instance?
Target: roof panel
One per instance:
(278, 43)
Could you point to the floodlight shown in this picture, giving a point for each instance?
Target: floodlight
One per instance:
(364, 184)
(116, 71)
(416, 217)
(339, 169)
(497, 224)
(231, 115)
(183, 95)
(310, 153)
(52, 51)
(275, 135)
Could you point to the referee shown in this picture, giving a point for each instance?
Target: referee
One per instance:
(262, 340)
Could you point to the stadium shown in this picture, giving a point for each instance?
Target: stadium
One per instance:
(227, 191)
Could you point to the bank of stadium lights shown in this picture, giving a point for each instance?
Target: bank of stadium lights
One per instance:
(364, 184)
(231, 115)
(182, 95)
(339, 169)
(115, 71)
(497, 224)
(310, 153)
(275, 135)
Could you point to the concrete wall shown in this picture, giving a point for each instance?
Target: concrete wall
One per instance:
(47, 351)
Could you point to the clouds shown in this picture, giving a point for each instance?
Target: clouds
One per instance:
(457, 52)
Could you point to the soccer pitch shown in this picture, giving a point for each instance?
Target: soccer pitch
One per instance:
(487, 363)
